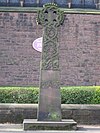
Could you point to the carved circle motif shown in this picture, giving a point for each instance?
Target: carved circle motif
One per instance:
(58, 15)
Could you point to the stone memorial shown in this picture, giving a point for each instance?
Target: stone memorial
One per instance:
(50, 101)
(49, 110)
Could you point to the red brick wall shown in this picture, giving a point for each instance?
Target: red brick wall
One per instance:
(79, 41)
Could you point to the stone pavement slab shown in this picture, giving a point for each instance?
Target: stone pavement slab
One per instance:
(18, 128)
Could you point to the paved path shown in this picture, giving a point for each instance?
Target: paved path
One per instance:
(18, 128)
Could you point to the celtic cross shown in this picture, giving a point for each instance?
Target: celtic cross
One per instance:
(50, 17)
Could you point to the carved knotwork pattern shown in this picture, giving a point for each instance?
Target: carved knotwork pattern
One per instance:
(50, 58)
(51, 84)
(50, 18)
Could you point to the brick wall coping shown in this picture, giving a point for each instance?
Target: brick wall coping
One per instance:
(63, 106)
(34, 9)
(81, 106)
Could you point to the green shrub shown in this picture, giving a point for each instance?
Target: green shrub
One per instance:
(77, 95)
(69, 95)
(96, 97)
(19, 95)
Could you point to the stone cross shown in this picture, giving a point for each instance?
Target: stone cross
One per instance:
(49, 110)
(50, 17)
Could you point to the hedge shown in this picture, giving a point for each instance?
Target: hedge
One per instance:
(69, 95)
(78, 95)
(19, 95)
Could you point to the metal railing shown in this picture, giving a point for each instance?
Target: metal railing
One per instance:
(61, 3)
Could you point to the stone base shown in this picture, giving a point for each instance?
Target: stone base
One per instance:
(33, 124)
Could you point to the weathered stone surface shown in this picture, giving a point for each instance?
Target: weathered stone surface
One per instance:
(15, 113)
(31, 124)
(50, 98)
(50, 17)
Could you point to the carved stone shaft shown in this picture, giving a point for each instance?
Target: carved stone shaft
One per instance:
(50, 17)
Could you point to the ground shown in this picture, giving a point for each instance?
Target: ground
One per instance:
(18, 128)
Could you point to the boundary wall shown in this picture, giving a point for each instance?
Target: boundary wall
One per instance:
(79, 49)
(82, 114)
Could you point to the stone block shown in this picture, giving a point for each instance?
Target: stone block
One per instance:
(33, 124)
